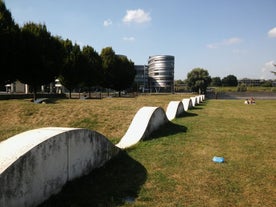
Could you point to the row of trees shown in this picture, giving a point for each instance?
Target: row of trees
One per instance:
(33, 56)
(199, 79)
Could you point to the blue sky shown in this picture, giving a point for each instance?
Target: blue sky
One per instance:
(236, 37)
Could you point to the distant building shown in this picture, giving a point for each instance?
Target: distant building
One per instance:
(161, 73)
(157, 76)
(251, 82)
(17, 87)
(142, 77)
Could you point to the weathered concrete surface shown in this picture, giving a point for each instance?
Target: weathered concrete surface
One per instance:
(187, 103)
(174, 109)
(146, 120)
(37, 163)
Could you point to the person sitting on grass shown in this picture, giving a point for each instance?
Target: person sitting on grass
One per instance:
(252, 100)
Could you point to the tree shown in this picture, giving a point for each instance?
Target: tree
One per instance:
(108, 57)
(198, 80)
(119, 72)
(71, 75)
(216, 81)
(41, 56)
(124, 74)
(93, 74)
(9, 33)
(229, 80)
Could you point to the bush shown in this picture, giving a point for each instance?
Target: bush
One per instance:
(242, 88)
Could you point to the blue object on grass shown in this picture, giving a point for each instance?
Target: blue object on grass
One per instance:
(218, 159)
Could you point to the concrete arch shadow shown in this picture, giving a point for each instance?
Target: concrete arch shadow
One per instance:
(117, 182)
(169, 128)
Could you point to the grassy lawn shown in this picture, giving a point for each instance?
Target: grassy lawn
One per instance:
(109, 116)
(174, 166)
(248, 89)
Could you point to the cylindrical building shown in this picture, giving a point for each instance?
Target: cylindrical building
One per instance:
(161, 72)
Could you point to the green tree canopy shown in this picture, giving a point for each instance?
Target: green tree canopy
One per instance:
(108, 57)
(72, 72)
(124, 75)
(93, 75)
(229, 80)
(119, 72)
(198, 80)
(9, 33)
(41, 56)
(216, 81)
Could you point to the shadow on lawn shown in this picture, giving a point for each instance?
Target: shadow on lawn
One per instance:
(168, 129)
(117, 182)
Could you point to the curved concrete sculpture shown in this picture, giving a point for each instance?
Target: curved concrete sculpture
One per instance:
(37, 163)
(187, 103)
(146, 120)
(194, 101)
(174, 109)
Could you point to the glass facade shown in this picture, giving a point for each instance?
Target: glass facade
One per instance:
(161, 72)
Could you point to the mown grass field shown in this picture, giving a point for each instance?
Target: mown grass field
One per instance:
(174, 166)
(109, 116)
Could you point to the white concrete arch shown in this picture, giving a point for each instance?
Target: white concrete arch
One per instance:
(174, 109)
(194, 101)
(146, 120)
(187, 103)
(37, 163)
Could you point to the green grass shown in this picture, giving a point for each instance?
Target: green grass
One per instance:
(248, 89)
(110, 116)
(174, 166)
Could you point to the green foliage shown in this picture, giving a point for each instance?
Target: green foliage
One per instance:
(125, 73)
(242, 88)
(33, 56)
(229, 80)
(108, 64)
(198, 80)
(216, 81)
(266, 84)
(41, 56)
(93, 75)
(9, 33)
(119, 72)
(71, 73)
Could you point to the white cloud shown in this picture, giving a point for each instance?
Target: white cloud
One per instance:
(226, 42)
(129, 39)
(266, 70)
(107, 22)
(272, 32)
(137, 16)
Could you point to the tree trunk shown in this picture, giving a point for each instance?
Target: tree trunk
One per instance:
(34, 93)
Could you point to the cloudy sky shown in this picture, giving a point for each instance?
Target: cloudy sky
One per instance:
(236, 37)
